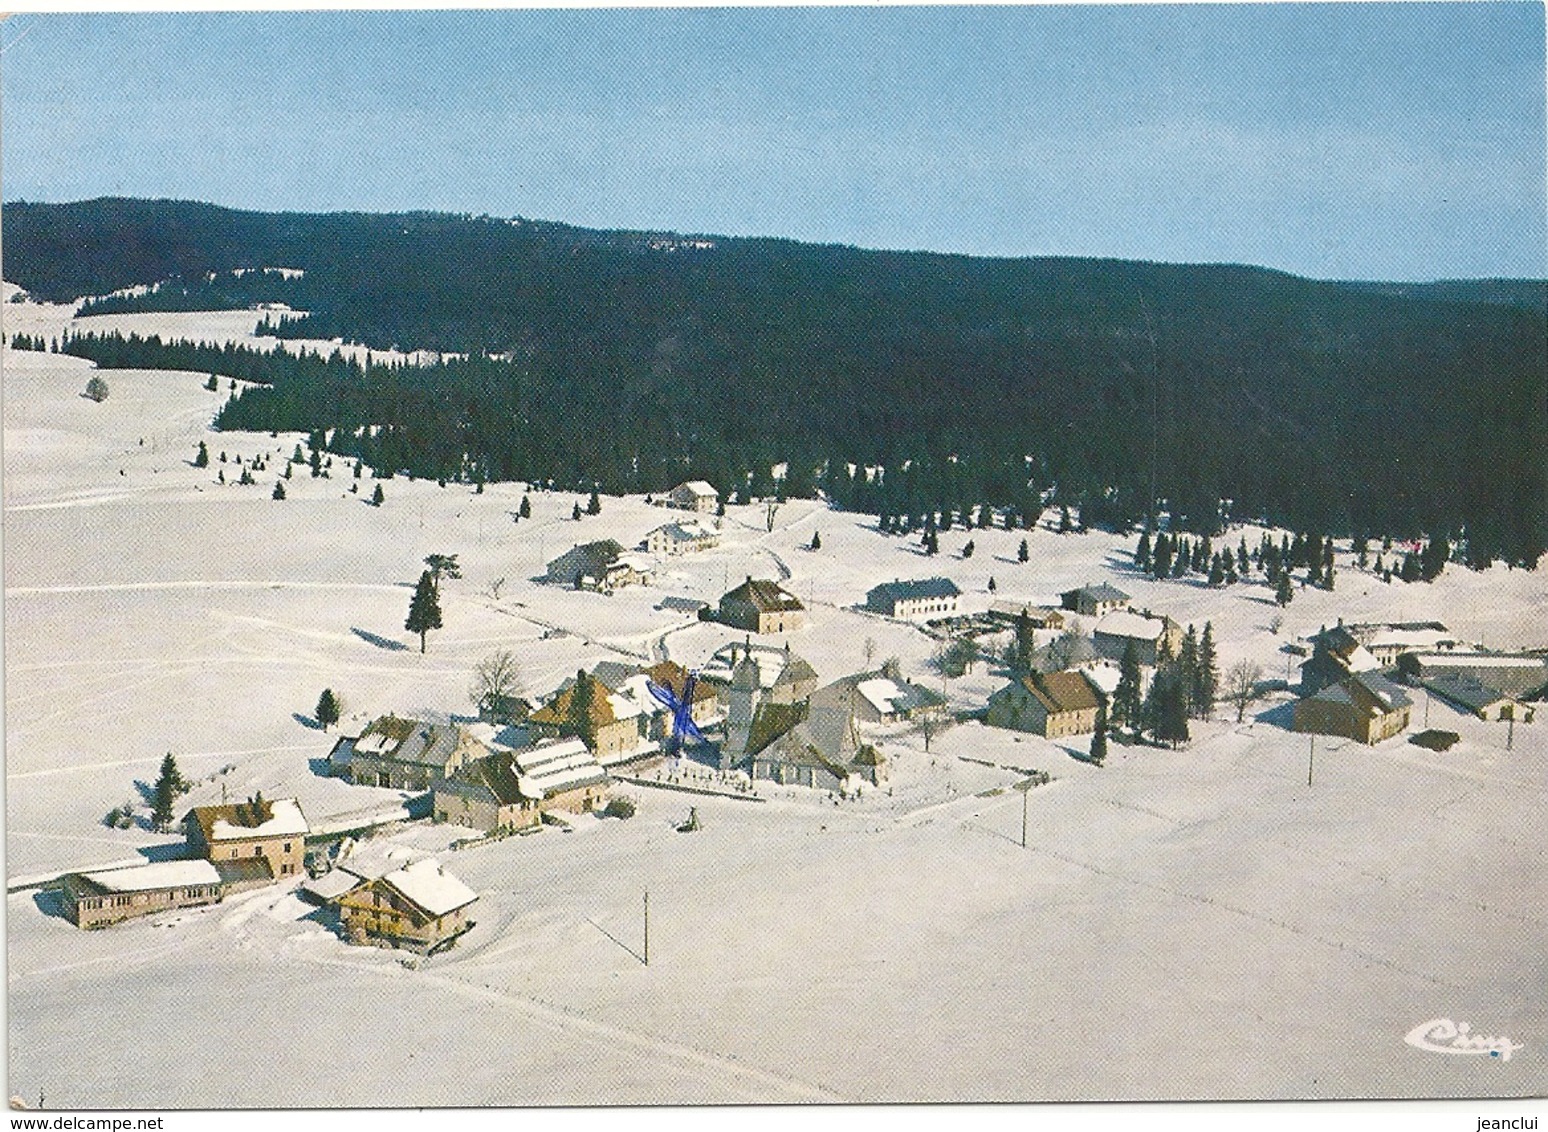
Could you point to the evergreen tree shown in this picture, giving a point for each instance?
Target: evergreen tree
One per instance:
(1025, 643)
(327, 712)
(579, 722)
(1099, 738)
(992, 586)
(377, 497)
(287, 470)
(279, 489)
(967, 549)
(816, 540)
(1166, 709)
(169, 784)
(1243, 566)
(985, 516)
(1285, 590)
(1065, 526)
(316, 463)
(1142, 553)
(932, 543)
(525, 511)
(298, 457)
(1022, 553)
(1207, 678)
(212, 385)
(1217, 571)
(1161, 559)
(1126, 697)
(442, 566)
(576, 513)
(202, 457)
(1411, 568)
(594, 504)
(1188, 671)
(424, 611)
(97, 389)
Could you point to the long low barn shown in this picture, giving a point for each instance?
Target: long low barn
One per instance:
(109, 896)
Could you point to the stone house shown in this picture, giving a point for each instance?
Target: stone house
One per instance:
(881, 697)
(600, 566)
(924, 598)
(614, 727)
(695, 495)
(1365, 707)
(680, 538)
(406, 754)
(762, 606)
(1152, 635)
(513, 789)
(1052, 705)
(1094, 601)
(272, 830)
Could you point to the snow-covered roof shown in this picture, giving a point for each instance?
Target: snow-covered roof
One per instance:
(697, 487)
(431, 887)
(1123, 623)
(553, 767)
(1101, 592)
(159, 874)
(627, 703)
(880, 693)
(914, 589)
(770, 659)
(1105, 675)
(639, 563)
(285, 817)
(495, 736)
(1397, 637)
(1480, 660)
(686, 530)
(332, 885)
(1360, 659)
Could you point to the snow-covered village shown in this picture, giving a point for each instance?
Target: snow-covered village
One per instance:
(675, 557)
(602, 778)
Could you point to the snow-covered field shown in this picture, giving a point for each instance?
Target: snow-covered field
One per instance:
(1189, 924)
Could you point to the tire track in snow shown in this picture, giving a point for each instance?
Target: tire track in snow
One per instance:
(757, 1082)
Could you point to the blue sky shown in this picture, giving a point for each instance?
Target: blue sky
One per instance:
(1370, 141)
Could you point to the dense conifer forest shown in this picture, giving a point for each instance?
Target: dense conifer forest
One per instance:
(634, 360)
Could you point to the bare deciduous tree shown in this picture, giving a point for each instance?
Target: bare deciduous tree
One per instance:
(496, 677)
(1241, 685)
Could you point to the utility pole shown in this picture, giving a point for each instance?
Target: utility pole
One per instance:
(1024, 794)
(1311, 754)
(1510, 735)
(1427, 707)
(647, 927)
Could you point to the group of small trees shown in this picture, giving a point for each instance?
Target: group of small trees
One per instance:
(1184, 687)
(890, 522)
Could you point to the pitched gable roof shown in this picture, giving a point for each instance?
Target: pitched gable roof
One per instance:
(916, 589)
(766, 595)
(280, 817)
(430, 887)
(1102, 592)
(1062, 691)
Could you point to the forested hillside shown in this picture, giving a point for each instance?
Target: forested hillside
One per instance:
(636, 359)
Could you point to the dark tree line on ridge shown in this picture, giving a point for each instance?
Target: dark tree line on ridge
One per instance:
(603, 358)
